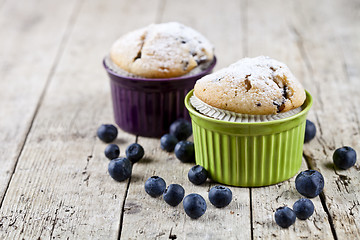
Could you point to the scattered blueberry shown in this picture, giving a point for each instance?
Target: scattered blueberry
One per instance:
(344, 157)
(112, 151)
(120, 169)
(155, 186)
(168, 142)
(174, 194)
(194, 205)
(303, 208)
(309, 183)
(285, 217)
(181, 129)
(134, 152)
(220, 196)
(197, 175)
(184, 151)
(310, 131)
(107, 133)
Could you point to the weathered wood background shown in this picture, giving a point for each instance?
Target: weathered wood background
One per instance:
(54, 94)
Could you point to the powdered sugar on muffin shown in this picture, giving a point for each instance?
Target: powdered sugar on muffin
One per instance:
(161, 51)
(257, 86)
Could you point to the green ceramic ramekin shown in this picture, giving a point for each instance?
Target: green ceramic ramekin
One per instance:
(249, 154)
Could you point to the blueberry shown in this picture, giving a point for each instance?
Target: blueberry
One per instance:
(194, 205)
(168, 142)
(197, 175)
(120, 169)
(303, 208)
(155, 186)
(184, 151)
(134, 152)
(107, 133)
(344, 157)
(220, 196)
(112, 151)
(181, 129)
(285, 217)
(310, 131)
(309, 183)
(174, 194)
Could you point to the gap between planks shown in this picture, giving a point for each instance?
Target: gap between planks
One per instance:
(125, 197)
(59, 53)
(251, 214)
(160, 12)
(322, 198)
(159, 16)
(2, 3)
(245, 49)
(308, 65)
(325, 143)
(123, 206)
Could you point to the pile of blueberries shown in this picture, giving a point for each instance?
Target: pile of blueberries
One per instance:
(176, 141)
(310, 183)
(119, 168)
(194, 204)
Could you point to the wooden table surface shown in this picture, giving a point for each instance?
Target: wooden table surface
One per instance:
(54, 94)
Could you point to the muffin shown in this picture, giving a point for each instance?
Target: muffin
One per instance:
(164, 50)
(151, 70)
(238, 134)
(253, 86)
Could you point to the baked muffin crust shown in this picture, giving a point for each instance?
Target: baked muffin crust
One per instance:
(161, 51)
(257, 86)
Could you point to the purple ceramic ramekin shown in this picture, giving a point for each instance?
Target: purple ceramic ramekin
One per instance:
(146, 106)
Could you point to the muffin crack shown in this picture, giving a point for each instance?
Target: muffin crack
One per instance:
(143, 38)
(247, 82)
(201, 60)
(280, 82)
(279, 106)
(285, 92)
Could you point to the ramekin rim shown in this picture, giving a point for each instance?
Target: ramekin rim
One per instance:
(192, 110)
(198, 75)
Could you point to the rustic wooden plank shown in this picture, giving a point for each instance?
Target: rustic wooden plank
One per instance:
(163, 221)
(269, 33)
(209, 18)
(333, 64)
(61, 188)
(285, 194)
(151, 218)
(2, 3)
(29, 50)
(58, 190)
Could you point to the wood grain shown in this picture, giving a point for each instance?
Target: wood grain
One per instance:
(54, 93)
(61, 188)
(27, 36)
(333, 68)
(270, 34)
(163, 221)
(285, 194)
(224, 31)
